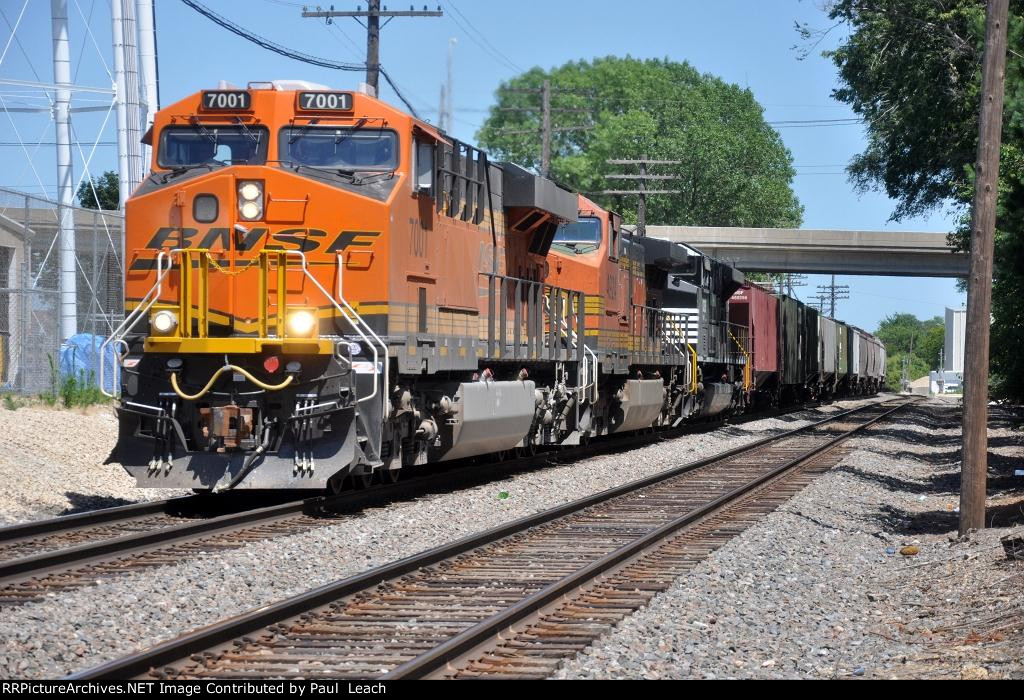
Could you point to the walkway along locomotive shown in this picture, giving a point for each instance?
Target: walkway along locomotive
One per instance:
(323, 289)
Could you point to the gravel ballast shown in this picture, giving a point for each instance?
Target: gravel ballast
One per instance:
(820, 589)
(811, 591)
(77, 630)
(52, 463)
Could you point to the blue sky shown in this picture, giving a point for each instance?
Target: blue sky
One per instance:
(742, 41)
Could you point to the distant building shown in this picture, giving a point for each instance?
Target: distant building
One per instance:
(956, 336)
(12, 253)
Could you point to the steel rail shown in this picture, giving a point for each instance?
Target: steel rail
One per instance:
(103, 516)
(20, 569)
(14, 571)
(238, 626)
(482, 632)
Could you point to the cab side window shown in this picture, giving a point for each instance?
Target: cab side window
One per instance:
(613, 241)
(423, 184)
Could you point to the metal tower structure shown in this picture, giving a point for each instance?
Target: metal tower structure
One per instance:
(81, 82)
(65, 190)
(449, 104)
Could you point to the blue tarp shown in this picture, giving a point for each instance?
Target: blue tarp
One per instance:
(79, 357)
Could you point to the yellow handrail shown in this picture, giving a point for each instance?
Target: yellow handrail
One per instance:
(746, 361)
(693, 373)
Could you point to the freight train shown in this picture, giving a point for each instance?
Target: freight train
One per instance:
(322, 290)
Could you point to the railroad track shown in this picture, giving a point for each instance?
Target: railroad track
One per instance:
(52, 556)
(549, 584)
(66, 531)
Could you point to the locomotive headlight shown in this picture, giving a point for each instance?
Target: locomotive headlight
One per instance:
(301, 324)
(250, 191)
(164, 322)
(250, 200)
(250, 210)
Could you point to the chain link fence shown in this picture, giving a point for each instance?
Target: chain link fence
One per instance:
(30, 334)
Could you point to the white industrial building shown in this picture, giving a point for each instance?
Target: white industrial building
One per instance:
(956, 340)
(950, 379)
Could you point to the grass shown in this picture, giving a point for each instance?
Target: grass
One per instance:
(75, 392)
(65, 392)
(72, 391)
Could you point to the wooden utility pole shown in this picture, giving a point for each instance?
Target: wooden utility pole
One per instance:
(832, 293)
(546, 131)
(974, 469)
(641, 190)
(372, 14)
(545, 128)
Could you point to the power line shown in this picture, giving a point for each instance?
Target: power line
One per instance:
(641, 191)
(496, 53)
(270, 45)
(813, 126)
(546, 130)
(387, 77)
(54, 143)
(290, 53)
(792, 122)
(832, 293)
(372, 15)
(338, 34)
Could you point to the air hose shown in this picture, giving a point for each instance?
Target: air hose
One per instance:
(248, 464)
(222, 370)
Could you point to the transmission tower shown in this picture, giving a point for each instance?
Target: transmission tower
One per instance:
(73, 107)
(445, 116)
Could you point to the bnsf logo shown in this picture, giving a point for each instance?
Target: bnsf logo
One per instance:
(305, 239)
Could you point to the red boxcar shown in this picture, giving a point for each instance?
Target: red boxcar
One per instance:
(757, 309)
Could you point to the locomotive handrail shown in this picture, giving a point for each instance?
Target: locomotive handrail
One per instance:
(129, 322)
(693, 372)
(536, 321)
(574, 338)
(746, 359)
(153, 295)
(341, 296)
(669, 318)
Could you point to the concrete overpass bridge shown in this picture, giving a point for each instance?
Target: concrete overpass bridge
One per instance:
(819, 251)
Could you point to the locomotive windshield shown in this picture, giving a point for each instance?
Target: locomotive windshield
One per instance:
(586, 232)
(199, 144)
(339, 148)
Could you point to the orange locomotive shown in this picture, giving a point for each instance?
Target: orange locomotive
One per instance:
(324, 288)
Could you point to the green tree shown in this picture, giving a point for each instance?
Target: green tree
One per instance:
(102, 192)
(894, 364)
(899, 332)
(912, 70)
(735, 170)
(931, 343)
(904, 335)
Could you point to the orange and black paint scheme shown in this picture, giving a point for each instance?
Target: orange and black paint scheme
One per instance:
(323, 290)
